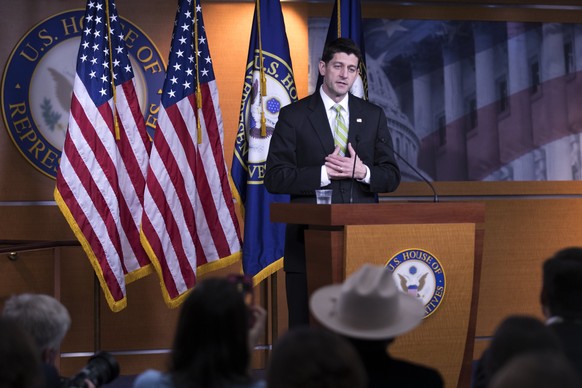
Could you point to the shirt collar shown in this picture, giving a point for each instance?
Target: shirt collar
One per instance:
(554, 319)
(329, 103)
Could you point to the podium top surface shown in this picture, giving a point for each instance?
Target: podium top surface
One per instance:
(378, 213)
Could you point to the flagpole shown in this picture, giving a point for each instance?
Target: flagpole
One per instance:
(198, 90)
(339, 19)
(263, 91)
(111, 73)
(274, 308)
(96, 314)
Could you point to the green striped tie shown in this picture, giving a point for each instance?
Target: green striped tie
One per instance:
(341, 130)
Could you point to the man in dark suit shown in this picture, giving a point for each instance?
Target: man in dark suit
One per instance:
(561, 299)
(330, 139)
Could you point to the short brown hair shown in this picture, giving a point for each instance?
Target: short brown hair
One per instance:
(341, 45)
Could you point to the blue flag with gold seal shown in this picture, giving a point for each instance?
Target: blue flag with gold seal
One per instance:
(266, 90)
(346, 22)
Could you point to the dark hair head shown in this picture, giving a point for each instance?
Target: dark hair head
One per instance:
(518, 335)
(562, 283)
(211, 345)
(314, 358)
(537, 370)
(341, 45)
(20, 365)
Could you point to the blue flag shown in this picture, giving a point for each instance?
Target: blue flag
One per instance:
(347, 23)
(266, 90)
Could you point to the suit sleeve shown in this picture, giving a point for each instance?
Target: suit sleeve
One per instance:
(379, 157)
(291, 168)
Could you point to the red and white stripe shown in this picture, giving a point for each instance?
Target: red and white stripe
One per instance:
(100, 186)
(189, 223)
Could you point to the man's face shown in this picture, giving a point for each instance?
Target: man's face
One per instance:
(339, 75)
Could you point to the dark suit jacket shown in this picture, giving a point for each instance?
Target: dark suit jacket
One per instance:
(570, 334)
(51, 376)
(301, 141)
(384, 371)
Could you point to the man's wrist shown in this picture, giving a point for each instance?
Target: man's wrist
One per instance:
(366, 177)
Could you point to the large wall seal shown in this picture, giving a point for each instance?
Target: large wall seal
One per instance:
(37, 84)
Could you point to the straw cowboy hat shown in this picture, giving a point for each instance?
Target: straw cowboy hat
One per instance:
(368, 305)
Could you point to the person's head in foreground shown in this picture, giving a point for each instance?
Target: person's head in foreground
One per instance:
(367, 306)
(562, 284)
(537, 370)
(44, 318)
(309, 357)
(211, 343)
(371, 311)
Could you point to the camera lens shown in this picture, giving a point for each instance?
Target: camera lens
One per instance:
(102, 368)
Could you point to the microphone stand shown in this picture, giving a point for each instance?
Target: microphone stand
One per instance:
(354, 169)
(434, 193)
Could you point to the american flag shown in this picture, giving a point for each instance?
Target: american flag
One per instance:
(100, 183)
(189, 225)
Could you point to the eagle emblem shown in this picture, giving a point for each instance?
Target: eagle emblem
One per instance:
(421, 275)
(412, 283)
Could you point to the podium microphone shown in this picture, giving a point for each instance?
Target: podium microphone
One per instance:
(434, 193)
(354, 169)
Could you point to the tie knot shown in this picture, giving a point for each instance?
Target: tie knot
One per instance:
(337, 108)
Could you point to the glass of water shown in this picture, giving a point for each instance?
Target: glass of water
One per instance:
(323, 196)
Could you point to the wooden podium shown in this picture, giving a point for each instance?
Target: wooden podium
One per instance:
(341, 237)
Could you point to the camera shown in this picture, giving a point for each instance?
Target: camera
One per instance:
(244, 285)
(102, 368)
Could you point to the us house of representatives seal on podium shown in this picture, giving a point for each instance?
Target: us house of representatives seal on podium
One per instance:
(419, 273)
(37, 84)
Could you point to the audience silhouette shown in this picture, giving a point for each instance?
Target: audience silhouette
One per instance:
(47, 321)
(370, 311)
(213, 340)
(314, 358)
(20, 365)
(515, 335)
(218, 327)
(537, 370)
(561, 299)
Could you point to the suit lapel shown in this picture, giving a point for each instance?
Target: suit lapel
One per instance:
(319, 122)
(357, 119)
